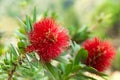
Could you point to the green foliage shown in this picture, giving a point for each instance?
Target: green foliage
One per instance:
(78, 57)
(53, 70)
(82, 34)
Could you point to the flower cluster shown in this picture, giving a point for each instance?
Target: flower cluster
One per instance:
(100, 53)
(48, 39)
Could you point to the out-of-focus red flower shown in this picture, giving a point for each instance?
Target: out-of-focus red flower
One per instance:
(48, 39)
(100, 53)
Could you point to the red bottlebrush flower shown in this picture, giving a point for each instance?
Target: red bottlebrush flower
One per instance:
(100, 53)
(48, 39)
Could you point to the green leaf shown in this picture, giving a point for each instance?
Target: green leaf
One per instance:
(2, 66)
(54, 15)
(20, 21)
(76, 68)
(37, 56)
(62, 60)
(81, 56)
(62, 68)
(29, 60)
(6, 61)
(79, 78)
(28, 24)
(21, 44)
(34, 15)
(22, 30)
(20, 35)
(13, 50)
(68, 69)
(81, 75)
(94, 71)
(82, 34)
(46, 13)
(74, 46)
(53, 71)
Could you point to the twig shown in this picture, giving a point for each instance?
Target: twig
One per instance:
(10, 75)
(12, 72)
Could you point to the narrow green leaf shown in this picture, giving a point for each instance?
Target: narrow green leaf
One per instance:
(54, 15)
(34, 15)
(79, 78)
(83, 29)
(22, 30)
(46, 13)
(11, 57)
(62, 60)
(68, 69)
(62, 68)
(20, 35)
(28, 24)
(13, 50)
(37, 56)
(21, 45)
(76, 68)
(92, 70)
(74, 46)
(29, 60)
(85, 76)
(20, 21)
(81, 56)
(53, 71)
(6, 61)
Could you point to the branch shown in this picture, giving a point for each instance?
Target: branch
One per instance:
(12, 72)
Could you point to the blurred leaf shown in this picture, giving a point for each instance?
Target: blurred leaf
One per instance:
(20, 35)
(54, 15)
(94, 71)
(62, 60)
(81, 75)
(46, 13)
(81, 56)
(68, 68)
(37, 56)
(81, 35)
(61, 66)
(6, 61)
(53, 71)
(34, 15)
(13, 50)
(21, 45)
(22, 22)
(76, 68)
(28, 24)
(75, 47)
(22, 30)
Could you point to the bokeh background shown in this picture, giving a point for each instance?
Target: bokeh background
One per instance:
(101, 17)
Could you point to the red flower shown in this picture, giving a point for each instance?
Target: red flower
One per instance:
(100, 53)
(48, 39)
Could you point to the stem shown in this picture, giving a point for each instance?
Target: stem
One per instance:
(12, 72)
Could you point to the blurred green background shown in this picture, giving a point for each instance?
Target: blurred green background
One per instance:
(83, 18)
